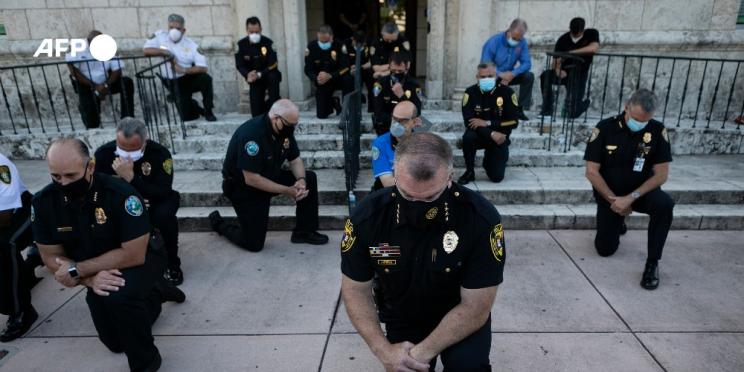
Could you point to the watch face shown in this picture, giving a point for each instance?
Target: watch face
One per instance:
(73, 272)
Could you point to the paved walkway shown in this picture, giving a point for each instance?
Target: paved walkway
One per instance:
(561, 308)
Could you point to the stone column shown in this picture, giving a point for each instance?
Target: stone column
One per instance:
(435, 49)
(295, 41)
(474, 20)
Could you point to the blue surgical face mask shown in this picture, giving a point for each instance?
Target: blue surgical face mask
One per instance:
(512, 43)
(487, 84)
(324, 46)
(397, 129)
(635, 125)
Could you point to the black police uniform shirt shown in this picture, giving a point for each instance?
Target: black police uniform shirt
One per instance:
(334, 61)
(111, 213)
(153, 173)
(421, 270)
(260, 57)
(566, 44)
(385, 99)
(627, 159)
(380, 50)
(351, 51)
(255, 148)
(500, 107)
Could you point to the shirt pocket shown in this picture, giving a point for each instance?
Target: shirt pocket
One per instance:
(445, 270)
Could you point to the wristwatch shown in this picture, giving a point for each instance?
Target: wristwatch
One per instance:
(635, 195)
(73, 271)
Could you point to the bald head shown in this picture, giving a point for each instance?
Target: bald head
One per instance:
(68, 159)
(405, 109)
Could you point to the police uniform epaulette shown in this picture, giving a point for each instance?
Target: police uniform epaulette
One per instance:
(371, 204)
(478, 203)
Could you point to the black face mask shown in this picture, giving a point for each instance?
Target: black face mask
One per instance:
(398, 77)
(421, 214)
(286, 131)
(76, 189)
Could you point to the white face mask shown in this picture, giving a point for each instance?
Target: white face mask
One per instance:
(254, 37)
(133, 155)
(175, 35)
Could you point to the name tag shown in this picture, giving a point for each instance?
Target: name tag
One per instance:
(64, 229)
(638, 165)
(386, 262)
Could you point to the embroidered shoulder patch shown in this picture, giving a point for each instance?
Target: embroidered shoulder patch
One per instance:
(133, 206)
(497, 242)
(348, 241)
(251, 148)
(5, 174)
(168, 166)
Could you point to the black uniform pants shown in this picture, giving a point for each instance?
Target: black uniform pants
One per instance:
(657, 204)
(187, 85)
(90, 104)
(525, 81)
(369, 81)
(494, 159)
(469, 355)
(575, 83)
(257, 93)
(324, 94)
(16, 278)
(163, 217)
(253, 213)
(124, 318)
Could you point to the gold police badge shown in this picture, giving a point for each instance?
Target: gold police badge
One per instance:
(499, 101)
(408, 94)
(264, 51)
(286, 143)
(333, 54)
(146, 168)
(100, 216)
(449, 241)
(432, 213)
(647, 137)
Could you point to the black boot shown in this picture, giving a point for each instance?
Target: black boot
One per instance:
(18, 325)
(174, 275)
(623, 228)
(467, 177)
(337, 105)
(215, 221)
(209, 115)
(313, 238)
(650, 278)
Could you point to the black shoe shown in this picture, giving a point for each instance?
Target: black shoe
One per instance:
(582, 106)
(522, 116)
(18, 325)
(313, 238)
(210, 116)
(174, 275)
(623, 228)
(467, 177)
(337, 105)
(650, 278)
(155, 365)
(169, 292)
(215, 221)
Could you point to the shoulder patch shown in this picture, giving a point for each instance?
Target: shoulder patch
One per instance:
(595, 134)
(152, 36)
(419, 93)
(5, 174)
(375, 153)
(664, 135)
(406, 45)
(372, 50)
(343, 49)
(497, 242)
(168, 166)
(251, 148)
(465, 98)
(349, 239)
(376, 89)
(307, 52)
(133, 206)
(515, 101)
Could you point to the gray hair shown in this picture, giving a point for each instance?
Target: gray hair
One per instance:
(518, 23)
(176, 18)
(425, 154)
(283, 107)
(390, 28)
(644, 98)
(130, 126)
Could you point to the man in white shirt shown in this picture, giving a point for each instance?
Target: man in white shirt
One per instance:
(95, 80)
(189, 72)
(16, 276)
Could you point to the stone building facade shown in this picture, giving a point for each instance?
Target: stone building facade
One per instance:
(446, 54)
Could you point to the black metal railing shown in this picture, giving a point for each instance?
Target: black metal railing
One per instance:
(46, 98)
(691, 91)
(351, 126)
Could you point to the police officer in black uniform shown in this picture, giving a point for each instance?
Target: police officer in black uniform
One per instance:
(627, 161)
(257, 63)
(253, 175)
(394, 88)
(437, 250)
(490, 111)
(327, 67)
(93, 229)
(390, 41)
(148, 166)
(359, 42)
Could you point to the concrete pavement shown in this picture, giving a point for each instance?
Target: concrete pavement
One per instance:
(560, 308)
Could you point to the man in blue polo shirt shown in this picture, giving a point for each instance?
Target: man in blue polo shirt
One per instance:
(405, 118)
(504, 50)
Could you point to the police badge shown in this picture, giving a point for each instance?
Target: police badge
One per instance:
(449, 241)
(100, 216)
(146, 169)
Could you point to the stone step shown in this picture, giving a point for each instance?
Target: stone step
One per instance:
(335, 159)
(514, 217)
(334, 142)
